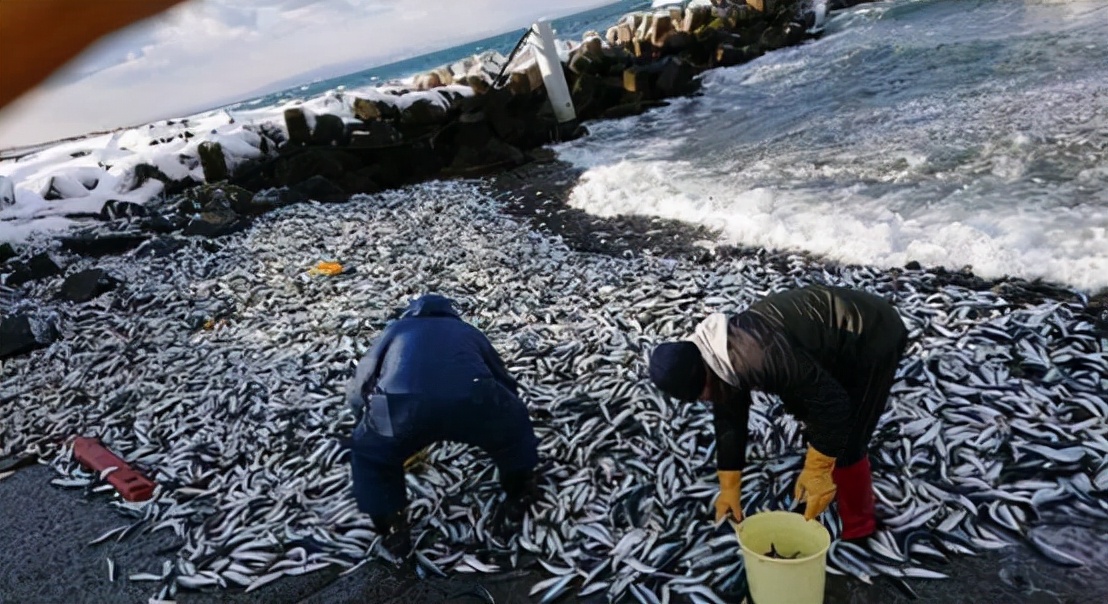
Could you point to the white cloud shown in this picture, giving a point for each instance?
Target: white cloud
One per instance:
(206, 53)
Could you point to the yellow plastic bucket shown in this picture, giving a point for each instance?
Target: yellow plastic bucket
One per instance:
(799, 580)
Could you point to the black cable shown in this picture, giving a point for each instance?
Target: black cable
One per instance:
(499, 81)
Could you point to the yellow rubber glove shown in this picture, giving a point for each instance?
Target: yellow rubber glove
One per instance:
(728, 499)
(416, 463)
(815, 485)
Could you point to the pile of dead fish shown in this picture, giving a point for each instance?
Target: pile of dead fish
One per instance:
(220, 371)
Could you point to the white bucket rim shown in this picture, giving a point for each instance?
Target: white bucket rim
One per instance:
(746, 550)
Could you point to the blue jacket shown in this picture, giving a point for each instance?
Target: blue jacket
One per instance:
(430, 351)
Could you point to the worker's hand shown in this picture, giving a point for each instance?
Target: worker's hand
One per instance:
(815, 485)
(728, 500)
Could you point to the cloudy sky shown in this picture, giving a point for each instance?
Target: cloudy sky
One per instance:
(206, 53)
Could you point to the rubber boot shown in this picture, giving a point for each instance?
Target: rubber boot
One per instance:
(856, 500)
(521, 491)
(397, 538)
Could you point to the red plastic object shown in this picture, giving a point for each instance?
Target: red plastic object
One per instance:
(130, 484)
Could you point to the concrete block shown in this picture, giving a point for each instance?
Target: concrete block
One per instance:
(297, 125)
(212, 161)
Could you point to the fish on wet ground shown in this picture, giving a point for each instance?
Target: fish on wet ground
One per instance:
(997, 419)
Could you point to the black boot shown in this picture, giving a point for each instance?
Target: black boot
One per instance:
(521, 491)
(397, 537)
(520, 485)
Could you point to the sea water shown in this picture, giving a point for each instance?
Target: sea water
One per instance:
(962, 134)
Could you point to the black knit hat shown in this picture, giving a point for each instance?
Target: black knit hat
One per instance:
(677, 369)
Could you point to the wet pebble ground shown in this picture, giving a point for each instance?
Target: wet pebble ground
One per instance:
(219, 369)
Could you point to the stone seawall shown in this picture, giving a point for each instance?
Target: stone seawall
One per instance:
(477, 116)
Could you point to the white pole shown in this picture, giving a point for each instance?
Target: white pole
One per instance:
(553, 78)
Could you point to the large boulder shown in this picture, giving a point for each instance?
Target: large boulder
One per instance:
(423, 112)
(7, 192)
(217, 217)
(589, 57)
(795, 33)
(773, 37)
(414, 161)
(763, 6)
(101, 244)
(678, 42)
(640, 79)
(329, 163)
(489, 157)
(272, 198)
(675, 78)
(215, 224)
(36, 267)
(18, 335)
(593, 95)
(660, 28)
(63, 186)
(164, 223)
(361, 181)
(507, 115)
(115, 208)
(86, 285)
(7, 252)
(142, 173)
(373, 135)
(427, 81)
(320, 189)
(375, 110)
(526, 79)
(296, 123)
(215, 195)
(212, 161)
(695, 18)
(158, 247)
(329, 130)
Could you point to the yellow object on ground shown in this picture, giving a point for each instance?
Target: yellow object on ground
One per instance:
(796, 578)
(815, 484)
(327, 268)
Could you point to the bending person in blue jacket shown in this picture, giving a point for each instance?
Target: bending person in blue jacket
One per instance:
(431, 377)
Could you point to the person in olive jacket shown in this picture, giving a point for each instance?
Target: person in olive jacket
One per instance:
(830, 354)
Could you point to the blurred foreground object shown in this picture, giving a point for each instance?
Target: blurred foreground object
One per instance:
(39, 36)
